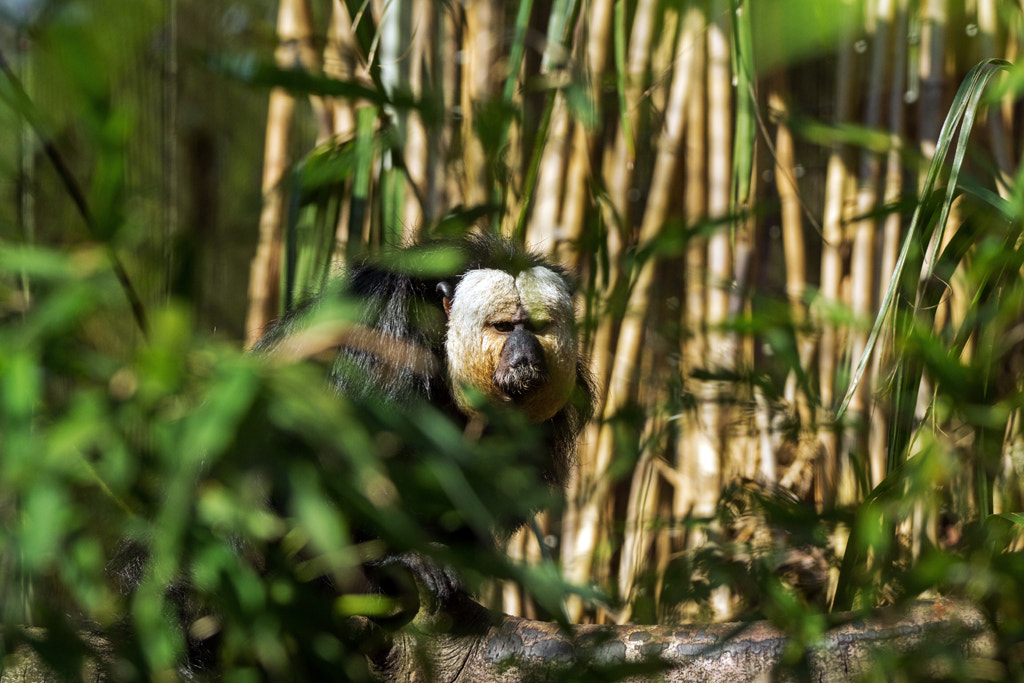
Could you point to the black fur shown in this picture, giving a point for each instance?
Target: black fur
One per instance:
(401, 301)
(403, 305)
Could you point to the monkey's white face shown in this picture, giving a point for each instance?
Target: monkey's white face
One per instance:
(511, 338)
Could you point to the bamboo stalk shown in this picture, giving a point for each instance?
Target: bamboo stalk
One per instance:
(545, 219)
(892, 229)
(695, 195)
(480, 53)
(931, 72)
(574, 205)
(595, 485)
(721, 348)
(417, 149)
(583, 160)
(931, 75)
(863, 269)
(619, 174)
(793, 244)
(999, 137)
(294, 30)
(511, 593)
(343, 61)
(640, 513)
(836, 179)
(449, 188)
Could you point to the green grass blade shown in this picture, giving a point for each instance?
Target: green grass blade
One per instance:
(517, 50)
(746, 131)
(1016, 518)
(563, 15)
(363, 174)
(967, 98)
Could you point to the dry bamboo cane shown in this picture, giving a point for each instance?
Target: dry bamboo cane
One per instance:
(931, 75)
(343, 61)
(416, 153)
(594, 484)
(448, 177)
(294, 30)
(836, 180)
(584, 161)
(640, 512)
(721, 351)
(545, 218)
(793, 245)
(618, 177)
(863, 269)
(695, 343)
(987, 13)
(480, 52)
(572, 200)
(578, 196)
(511, 593)
(619, 173)
(891, 231)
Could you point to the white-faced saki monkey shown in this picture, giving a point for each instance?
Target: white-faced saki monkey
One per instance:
(499, 328)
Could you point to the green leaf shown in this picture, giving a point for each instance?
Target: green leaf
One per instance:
(956, 126)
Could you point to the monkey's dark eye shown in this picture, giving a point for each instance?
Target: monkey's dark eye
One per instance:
(503, 326)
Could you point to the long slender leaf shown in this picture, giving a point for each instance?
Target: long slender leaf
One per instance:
(743, 147)
(961, 119)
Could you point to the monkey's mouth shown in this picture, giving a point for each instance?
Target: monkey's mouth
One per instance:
(520, 381)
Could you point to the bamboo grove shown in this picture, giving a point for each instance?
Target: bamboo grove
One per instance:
(735, 183)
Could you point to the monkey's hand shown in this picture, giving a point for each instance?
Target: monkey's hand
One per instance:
(417, 583)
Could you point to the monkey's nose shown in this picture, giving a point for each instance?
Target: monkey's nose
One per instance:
(523, 349)
(522, 367)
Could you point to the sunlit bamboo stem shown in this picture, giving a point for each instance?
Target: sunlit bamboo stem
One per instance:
(620, 170)
(343, 62)
(836, 181)
(545, 218)
(695, 340)
(294, 31)
(793, 244)
(578, 196)
(931, 72)
(511, 593)
(721, 351)
(480, 53)
(640, 512)
(863, 269)
(576, 523)
(627, 353)
(415, 60)
(988, 25)
(892, 230)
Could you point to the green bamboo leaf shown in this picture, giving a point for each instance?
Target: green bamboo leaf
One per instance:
(563, 15)
(517, 50)
(301, 82)
(1016, 518)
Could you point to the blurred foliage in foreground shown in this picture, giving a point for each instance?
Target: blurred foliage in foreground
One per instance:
(244, 479)
(725, 370)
